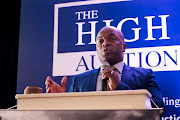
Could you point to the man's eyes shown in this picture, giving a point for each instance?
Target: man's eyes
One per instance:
(112, 39)
(100, 41)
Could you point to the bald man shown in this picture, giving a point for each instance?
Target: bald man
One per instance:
(110, 47)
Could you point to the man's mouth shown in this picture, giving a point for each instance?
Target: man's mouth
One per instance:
(106, 51)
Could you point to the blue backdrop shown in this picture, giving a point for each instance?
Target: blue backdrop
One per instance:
(56, 36)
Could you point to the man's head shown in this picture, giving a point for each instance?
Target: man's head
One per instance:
(110, 45)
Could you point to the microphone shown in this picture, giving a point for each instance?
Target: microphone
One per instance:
(104, 81)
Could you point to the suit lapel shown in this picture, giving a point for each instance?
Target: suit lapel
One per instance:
(126, 74)
(126, 77)
(93, 79)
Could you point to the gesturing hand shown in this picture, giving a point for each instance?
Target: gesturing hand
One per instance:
(53, 87)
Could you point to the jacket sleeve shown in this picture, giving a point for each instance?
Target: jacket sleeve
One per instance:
(152, 87)
(73, 87)
(144, 79)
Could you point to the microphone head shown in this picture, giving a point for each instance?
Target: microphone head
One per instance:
(105, 65)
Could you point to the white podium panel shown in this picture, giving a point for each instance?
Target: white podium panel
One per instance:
(104, 100)
(128, 114)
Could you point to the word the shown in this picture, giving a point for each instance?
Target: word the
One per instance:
(87, 14)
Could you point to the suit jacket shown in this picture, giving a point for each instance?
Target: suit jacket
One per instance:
(132, 78)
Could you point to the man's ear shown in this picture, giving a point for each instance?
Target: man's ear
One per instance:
(124, 47)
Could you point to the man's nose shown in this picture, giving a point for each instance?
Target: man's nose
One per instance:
(106, 43)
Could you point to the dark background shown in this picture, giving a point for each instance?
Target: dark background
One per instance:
(9, 37)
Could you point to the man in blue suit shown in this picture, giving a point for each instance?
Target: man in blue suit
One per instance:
(110, 48)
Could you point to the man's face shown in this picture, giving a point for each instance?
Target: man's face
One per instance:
(110, 45)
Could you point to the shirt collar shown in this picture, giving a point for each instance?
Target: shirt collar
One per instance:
(119, 66)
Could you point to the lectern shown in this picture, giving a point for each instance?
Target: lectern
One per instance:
(106, 105)
(109, 100)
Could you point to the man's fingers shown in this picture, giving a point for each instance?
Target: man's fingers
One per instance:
(109, 86)
(106, 73)
(48, 80)
(48, 85)
(63, 82)
(48, 90)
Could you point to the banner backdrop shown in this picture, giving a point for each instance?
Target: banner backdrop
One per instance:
(57, 38)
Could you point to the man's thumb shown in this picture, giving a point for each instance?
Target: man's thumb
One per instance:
(63, 82)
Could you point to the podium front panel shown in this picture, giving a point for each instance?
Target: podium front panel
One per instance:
(148, 114)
